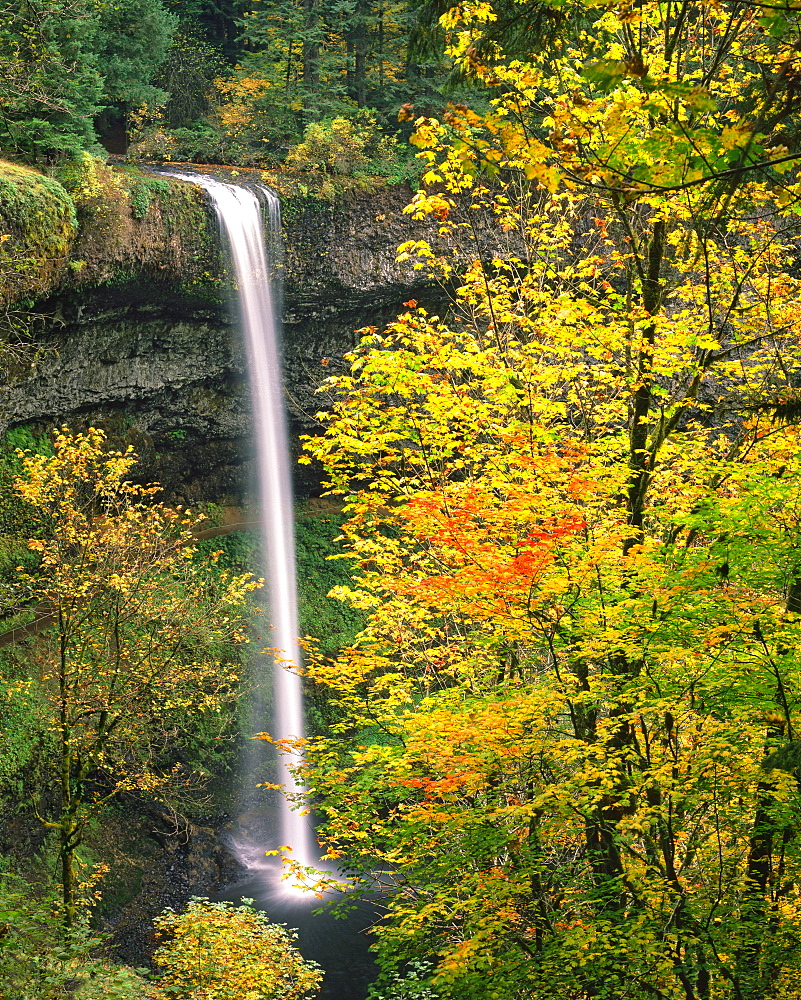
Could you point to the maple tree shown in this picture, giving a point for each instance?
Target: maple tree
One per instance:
(217, 951)
(139, 631)
(569, 728)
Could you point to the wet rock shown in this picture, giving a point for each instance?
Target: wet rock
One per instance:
(148, 348)
(193, 862)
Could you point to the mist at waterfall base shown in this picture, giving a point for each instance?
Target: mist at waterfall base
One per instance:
(340, 946)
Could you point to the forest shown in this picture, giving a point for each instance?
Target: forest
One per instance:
(555, 735)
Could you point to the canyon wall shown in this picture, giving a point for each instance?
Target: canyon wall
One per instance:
(134, 328)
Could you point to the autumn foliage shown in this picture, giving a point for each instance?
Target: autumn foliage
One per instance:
(569, 730)
(218, 951)
(140, 630)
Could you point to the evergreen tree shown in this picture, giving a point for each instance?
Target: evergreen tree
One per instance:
(62, 63)
(50, 85)
(132, 40)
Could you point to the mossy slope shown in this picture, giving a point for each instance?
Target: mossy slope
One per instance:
(38, 228)
(93, 224)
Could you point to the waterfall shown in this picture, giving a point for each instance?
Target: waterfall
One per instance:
(339, 945)
(239, 212)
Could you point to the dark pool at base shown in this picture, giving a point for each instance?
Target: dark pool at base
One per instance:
(340, 945)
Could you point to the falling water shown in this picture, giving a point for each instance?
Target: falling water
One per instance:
(339, 945)
(240, 216)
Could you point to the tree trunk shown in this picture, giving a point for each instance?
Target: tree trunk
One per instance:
(360, 52)
(68, 803)
(68, 881)
(639, 459)
(311, 53)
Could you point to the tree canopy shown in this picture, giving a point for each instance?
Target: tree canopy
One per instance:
(63, 62)
(140, 632)
(569, 729)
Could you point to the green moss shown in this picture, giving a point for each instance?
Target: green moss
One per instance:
(142, 194)
(187, 217)
(94, 224)
(138, 224)
(142, 189)
(38, 226)
(325, 189)
(298, 205)
(188, 225)
(333, 623)
(130, 225)
(81, 179)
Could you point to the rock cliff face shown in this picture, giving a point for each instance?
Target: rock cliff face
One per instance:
(140, 336)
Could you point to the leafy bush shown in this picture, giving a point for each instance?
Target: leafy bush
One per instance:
(79, 177)
(253, 116)
(412, 983)
(336, 146)
(21, 732)
(218, 951)
(94, 187)
(91, 183)
(348, 147)
(253, 126)
(235, 552)
(41, 961)
(200, 143)
(18, 519)
(103, 204)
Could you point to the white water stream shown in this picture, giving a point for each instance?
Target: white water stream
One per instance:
(240, 215)
(339, 945)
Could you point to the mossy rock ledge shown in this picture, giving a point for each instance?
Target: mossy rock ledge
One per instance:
(120, 274)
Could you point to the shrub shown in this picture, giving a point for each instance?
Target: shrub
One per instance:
(90, 183)
(255, 119)
(413, 983)
(79, 178)
(337, 146)
(247, 124)
(218, 951)
(18, 519)
(39, 961)
(352, 146)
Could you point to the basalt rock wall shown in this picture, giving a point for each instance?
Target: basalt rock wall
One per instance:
(137, 331)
